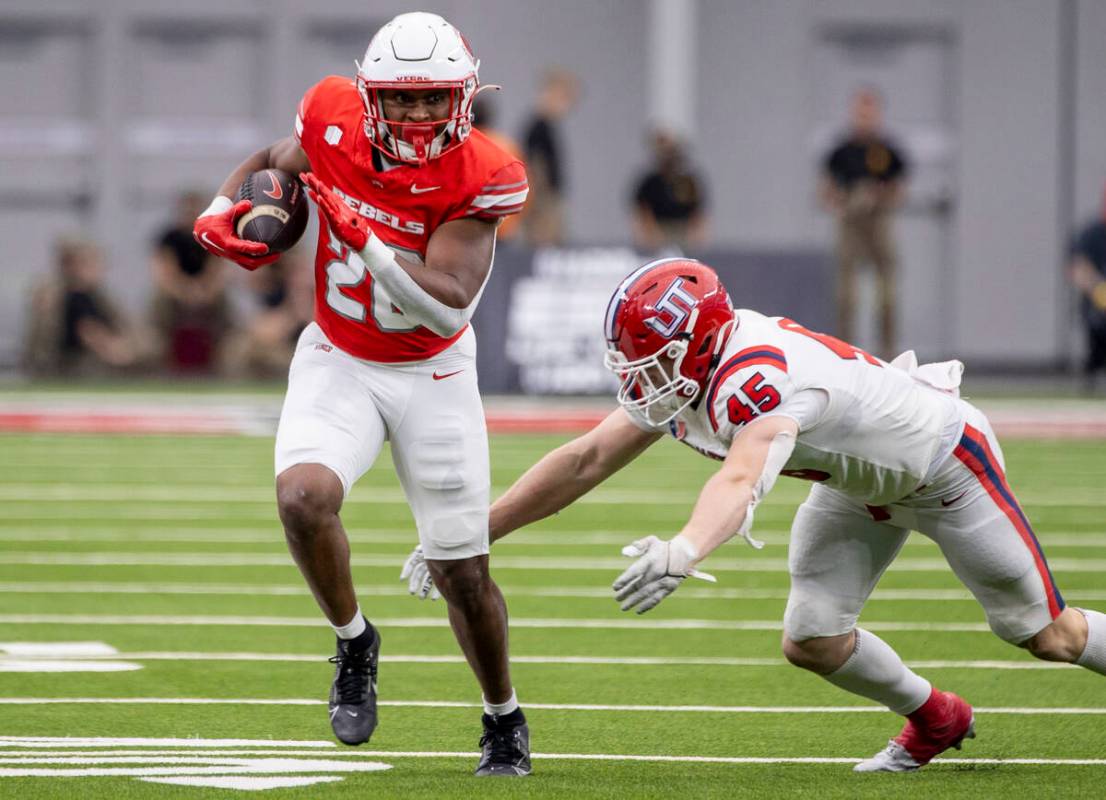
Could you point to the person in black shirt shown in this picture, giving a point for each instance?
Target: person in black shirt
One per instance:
(543, 219)
(862, 184)
(191, 310)
(1087, 271)
(669, 201)
(74, 328)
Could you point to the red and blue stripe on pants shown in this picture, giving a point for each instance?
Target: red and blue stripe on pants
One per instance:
(975, 453)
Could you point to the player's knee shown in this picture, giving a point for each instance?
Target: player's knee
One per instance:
(815, 655)
(820, 654)
(463, 581)
(307, 498)
(1062, 640)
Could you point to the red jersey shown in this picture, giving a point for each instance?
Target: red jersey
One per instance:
(404, 205)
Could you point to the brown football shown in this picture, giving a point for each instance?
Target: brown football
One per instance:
(279, 214)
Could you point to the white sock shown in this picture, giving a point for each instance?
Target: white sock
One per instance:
(875, 671)
(352, 629)
(499, 709)
(1093, 656)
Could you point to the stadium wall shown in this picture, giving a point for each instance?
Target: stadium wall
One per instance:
(107, 108)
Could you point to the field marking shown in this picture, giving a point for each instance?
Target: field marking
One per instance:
(673, 709)
(355, 754)
(751, 564)
(402, 536)
(616, 623)
(380, 495)
(397, 590)
(561, 660)
(269, 766)
(351, 761)
(249, 783)
(145, 741)
(240, 766)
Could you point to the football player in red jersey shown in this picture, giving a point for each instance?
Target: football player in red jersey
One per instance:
(409, 197)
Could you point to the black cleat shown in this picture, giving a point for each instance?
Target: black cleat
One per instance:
(505, 745)
(353, 693)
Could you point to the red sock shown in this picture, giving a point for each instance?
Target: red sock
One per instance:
(931, 713)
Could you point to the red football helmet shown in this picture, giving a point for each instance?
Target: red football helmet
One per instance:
(666, 325)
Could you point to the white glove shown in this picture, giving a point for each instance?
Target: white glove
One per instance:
(656, 574)
(417, 575)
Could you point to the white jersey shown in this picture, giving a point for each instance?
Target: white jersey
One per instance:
(866, 428)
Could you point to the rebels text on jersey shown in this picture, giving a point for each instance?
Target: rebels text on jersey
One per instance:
(867, 429)
(404, 205)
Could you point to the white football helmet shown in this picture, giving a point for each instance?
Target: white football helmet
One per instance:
(418, 51)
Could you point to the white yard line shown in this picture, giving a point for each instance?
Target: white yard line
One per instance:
(132, 741)
(571, 563)
(558, 660)
(397, 590)
(253, 766)
(199, 494)
(617, 623)
(407, 536)
(674, 709)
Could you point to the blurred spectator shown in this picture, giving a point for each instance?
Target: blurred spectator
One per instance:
(484, 120)
(191, 311)
(1087, 271)
(284, 294)
(669, 200)
(862, 183)
(74, 328)
(543, 220)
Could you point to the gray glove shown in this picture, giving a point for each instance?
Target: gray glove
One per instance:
(417, 575)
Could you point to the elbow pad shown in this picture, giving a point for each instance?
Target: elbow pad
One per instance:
(410, 298)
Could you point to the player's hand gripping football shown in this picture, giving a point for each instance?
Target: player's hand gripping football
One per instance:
(216, 233)
(658, 571)
(349, 226)
(417, 575)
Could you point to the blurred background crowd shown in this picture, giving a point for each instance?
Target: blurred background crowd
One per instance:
(928, 174)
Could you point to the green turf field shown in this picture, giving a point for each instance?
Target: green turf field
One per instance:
(168, 550)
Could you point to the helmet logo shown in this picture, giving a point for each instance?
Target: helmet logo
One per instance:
(673, 308)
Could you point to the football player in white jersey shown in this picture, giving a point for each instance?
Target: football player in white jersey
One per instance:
(889, 447)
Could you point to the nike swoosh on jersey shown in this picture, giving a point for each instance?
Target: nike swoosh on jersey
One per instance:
(415, 189)
(438, 377)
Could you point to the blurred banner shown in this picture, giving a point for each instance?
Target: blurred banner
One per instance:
(540, 321)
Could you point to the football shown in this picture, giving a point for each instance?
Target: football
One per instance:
(279, 214)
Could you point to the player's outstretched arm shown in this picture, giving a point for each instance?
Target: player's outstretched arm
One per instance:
(724, 508)
(215, 227)
(554, 482)
(756, 456)
(569, 472)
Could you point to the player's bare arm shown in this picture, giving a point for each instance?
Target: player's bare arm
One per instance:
(723, 510)
(559, 479)
(569, 472)
(284, 154)
(756, 457)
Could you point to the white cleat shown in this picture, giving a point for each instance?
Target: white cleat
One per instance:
(896, 758)
(892, 758)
